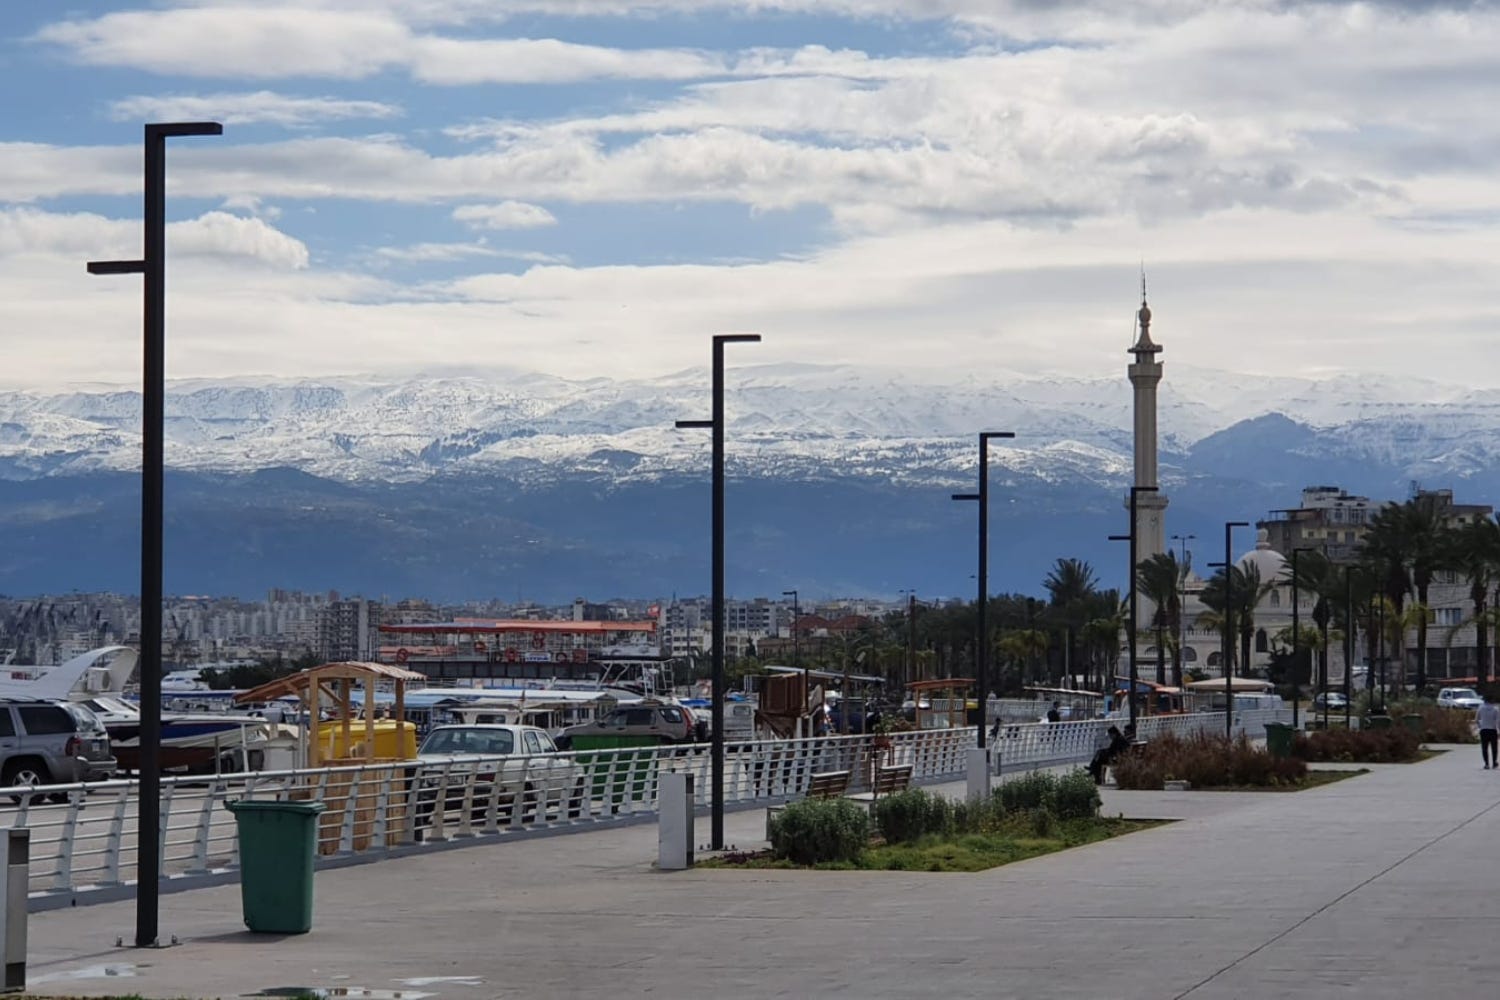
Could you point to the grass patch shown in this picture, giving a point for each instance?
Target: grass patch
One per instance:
(968, 852)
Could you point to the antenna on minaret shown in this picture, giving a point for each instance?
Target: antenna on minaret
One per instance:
(1143, 282)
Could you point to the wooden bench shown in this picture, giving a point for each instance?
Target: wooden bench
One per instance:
(887, 781)
(823, 785)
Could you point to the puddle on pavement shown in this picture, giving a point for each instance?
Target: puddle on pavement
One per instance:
(329, 992)
(121, 969)
(442, 981)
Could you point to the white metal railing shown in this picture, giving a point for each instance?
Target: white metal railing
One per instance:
(83, 835)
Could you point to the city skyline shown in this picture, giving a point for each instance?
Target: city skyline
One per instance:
(407, 187)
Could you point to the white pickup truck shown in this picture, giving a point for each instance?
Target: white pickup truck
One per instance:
(491, 767)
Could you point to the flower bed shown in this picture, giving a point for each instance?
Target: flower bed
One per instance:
(1206, 761)
(1392, 745)
(921, 831)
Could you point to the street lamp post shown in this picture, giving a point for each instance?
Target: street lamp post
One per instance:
(1181, 604)
(981, 658)
(1297, 641)
(716, 424)
(1348, 646)
(911, 636)
(797, 645)
(1229, 527)
(152, 266)
(1135, 491)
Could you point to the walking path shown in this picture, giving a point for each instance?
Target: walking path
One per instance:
(1377, 886)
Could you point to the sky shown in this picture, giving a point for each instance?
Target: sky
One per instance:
(593, 187)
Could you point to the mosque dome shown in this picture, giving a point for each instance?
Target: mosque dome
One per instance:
(1270, 563)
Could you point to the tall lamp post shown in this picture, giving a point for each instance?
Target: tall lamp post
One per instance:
(716, 424)
(1135, 491)
(797, 645)
(1181, 602)
(1348, 646)
(1228, 647)
(911, 636)
(1297, 641)
(152, 266)
(981, 658)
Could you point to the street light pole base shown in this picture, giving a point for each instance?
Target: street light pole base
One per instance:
(978, 773)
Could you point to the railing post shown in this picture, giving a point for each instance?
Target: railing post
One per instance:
(113, 839)
(62, 878)
(205, 823)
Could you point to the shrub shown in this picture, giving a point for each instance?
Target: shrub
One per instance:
(907, 817)
(1364, 746)
(1207, 761)
(1076, 796)
(1036, 790)
(1043, 822)
(814, 831)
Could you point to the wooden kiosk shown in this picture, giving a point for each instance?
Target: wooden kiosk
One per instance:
(357, 735)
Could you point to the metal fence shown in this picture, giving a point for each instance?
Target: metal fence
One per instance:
(84, 836)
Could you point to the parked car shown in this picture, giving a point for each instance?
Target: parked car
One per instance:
(502, 763)
(660, 720)
(1459, 698)
(51, 743)
(1336, 702)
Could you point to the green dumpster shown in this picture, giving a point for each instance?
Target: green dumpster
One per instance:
(1413, 722)
(1279, 739)
(1378, 722)
(277, 844)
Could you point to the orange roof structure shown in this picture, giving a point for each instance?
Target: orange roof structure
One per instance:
(492, 626)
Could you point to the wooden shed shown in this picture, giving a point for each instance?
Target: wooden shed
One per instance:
(332, 685)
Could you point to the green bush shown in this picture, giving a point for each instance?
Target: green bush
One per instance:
(1076, 796)
(814, 831)
(1036, 790)
(1043, 822)
(1364, 746)
(906, 817)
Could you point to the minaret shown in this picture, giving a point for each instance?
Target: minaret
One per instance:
(1145, 373)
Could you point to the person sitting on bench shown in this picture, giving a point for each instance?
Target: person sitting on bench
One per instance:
(1105, 756)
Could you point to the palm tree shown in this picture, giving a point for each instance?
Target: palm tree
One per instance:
(1248, 592)
(1316, 575)
(1405, 542)
(1474, 550)
(1069, 585)
(1022, 646)
(1101, 635)
(1159, 580)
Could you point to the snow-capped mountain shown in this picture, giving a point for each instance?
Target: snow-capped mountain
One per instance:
(522, 484)
(790, 420)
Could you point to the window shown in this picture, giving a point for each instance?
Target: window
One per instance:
(1275, 596)
(672, 715)
(40, 720)
(1449, 616)
(1213, 659)
(7, 725)
(533, 745)
(1260, 641)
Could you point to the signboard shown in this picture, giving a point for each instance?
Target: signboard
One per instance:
(538, 657)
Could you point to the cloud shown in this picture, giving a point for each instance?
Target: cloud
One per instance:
(261, 106)
(269, 43)
(85, 235)
(505, 215)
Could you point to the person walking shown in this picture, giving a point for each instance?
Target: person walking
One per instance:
(1054, 714)
(1489, 732)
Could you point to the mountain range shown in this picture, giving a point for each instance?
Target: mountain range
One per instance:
(512, 484)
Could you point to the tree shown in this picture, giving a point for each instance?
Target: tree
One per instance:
(1070, 584)
(1404, 547)
(1316, 576)
(1474, 550)
(1159, 580)
(1247, 591)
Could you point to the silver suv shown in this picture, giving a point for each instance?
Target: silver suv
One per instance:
(51, 743)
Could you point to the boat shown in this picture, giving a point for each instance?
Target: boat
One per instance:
(195, 741)
(105, 670)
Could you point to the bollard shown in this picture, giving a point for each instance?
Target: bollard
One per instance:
(674, 801)
(979, 773)
(14, 875)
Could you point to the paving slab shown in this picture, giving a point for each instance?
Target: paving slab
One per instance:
(1374, 886)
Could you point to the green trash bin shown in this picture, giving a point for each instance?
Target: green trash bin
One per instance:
(1413, 722)
(1279, 739)
(277, 844)
(1378, 722)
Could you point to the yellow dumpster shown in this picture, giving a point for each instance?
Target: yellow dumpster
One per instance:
(393, 741)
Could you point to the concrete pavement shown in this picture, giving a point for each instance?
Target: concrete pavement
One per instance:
(1377, 886)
